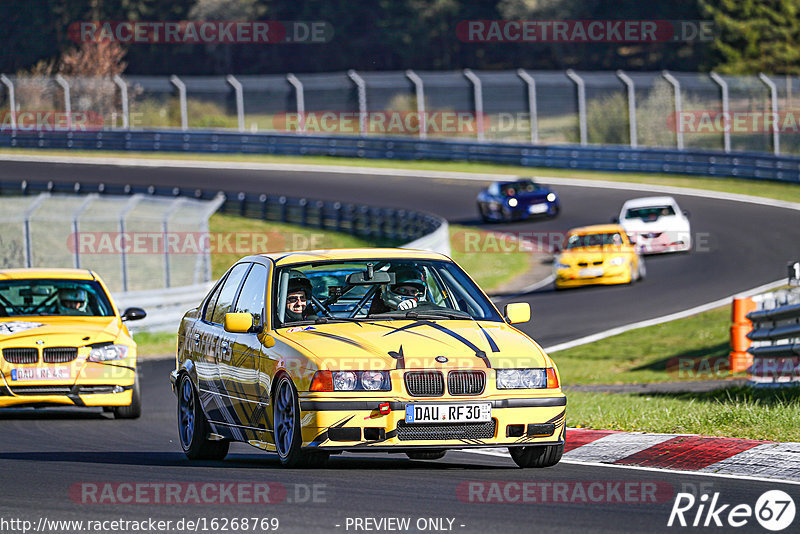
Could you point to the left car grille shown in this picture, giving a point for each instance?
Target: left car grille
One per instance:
(424, 383)
(21, 355)
(59, 354)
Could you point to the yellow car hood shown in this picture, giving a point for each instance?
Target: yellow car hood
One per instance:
(592, 254)
(55, 331)
(410, 344)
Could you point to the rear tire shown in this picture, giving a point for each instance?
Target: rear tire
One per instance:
(134, 409)
(286, 425)
(193, 428)
(426, 455)
(542, 456)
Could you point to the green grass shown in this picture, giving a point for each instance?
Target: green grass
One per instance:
(776, 190)
(155, 343)
(652, 354)
(736, 412)
(489, 269)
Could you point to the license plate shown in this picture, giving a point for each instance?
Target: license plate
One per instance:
(537, 208)
(590, 273)
(448, 413)
(39, 373)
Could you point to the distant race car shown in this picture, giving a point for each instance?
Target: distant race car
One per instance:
(600, 254)
(656, 224)
(64, 343)
(521, 199)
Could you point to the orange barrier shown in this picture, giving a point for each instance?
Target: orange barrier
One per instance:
(740, 359)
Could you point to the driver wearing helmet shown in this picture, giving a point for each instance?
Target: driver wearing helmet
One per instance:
(72, 301)
(408, 289)
(298, 294)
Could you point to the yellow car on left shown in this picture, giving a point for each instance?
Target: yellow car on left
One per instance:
(64, 343)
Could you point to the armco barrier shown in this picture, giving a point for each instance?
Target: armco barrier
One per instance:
(166, 306)
(775, 339)
(748, 165)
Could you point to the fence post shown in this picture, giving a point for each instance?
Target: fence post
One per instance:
(182, 97)
(12, 103)
(135, 199)
(26, 227)
(676, 87)
(631, 106)
(773, 93)
(67, 104)
(362, 100)
(532, 110)
(477, 92)
(581, 104)
(419, 90)
(173, 207)
(299, 96)
(726, 116)
(123, 92)
(75, 232)
(237, 87)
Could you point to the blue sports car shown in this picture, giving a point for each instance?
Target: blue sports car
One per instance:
(521, 199)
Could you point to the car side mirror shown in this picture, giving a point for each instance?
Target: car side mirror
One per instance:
(686, 214)
(133, 314)
(517, 312)
(238, 323)
(615, 220)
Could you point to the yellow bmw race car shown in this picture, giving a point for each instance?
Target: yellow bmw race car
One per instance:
(599, 254)
(314, 353)
(63, 342)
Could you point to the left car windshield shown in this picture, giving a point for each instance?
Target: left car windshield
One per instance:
(377, 289)
(519, 188)
(594, 240)
(650, 212)
(27, 297)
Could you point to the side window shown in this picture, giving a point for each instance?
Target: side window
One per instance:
(251, 298)
(229, 288)
(212, 300)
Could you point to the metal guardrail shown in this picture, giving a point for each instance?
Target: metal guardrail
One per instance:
(776, 339)
(166, 306)
(747, 165)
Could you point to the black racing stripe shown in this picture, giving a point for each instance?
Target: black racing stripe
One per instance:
(556, 418)
(478, 352)
(118, 365)
(401, 362)
(323, 436)
(492, 344)
(400, 329)
(76, 400)
(482, 355)
(336, 337)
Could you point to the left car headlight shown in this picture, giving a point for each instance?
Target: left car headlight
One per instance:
(551, 197)
(351, 381)
(108, 353)
(526, 378)
(512, 202)
(619, 260)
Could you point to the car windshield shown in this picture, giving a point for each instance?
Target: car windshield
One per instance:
(512, 189)
(39, 296)
(380, 289)
(594, 240)
(649, 213)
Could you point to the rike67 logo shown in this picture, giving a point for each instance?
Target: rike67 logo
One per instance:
(774, 510)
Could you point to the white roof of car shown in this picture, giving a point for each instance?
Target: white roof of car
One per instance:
(649, 201)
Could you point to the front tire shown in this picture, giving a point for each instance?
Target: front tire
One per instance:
(134, 409)
(542, 456)
(193, 426)
(286, 424)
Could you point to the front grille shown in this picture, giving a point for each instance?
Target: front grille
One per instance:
(466, 382)
(21, 355)
(59, 354)
(439, 431)
(41, 390)
(424, 383)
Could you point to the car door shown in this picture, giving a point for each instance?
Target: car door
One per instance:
(218, 342)
(241, 379)
(202, 341)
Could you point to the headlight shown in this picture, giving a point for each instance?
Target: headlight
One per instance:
(527, 378)
(107, 353)
(512, 202)
(551, 197)
(344, 380)
(560, 265)
(351, 381)
(619, 260)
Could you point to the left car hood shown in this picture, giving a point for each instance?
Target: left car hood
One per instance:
(56, 331)
(411, 344)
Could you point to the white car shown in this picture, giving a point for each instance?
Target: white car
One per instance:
(656, 224)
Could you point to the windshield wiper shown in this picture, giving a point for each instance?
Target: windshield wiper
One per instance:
(448, 314)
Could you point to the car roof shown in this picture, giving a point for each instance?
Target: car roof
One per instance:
(645, 202)
(597, 229)
(305, 256)
(68, 274)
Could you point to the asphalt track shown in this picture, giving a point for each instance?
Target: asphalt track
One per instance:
(44, 454)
